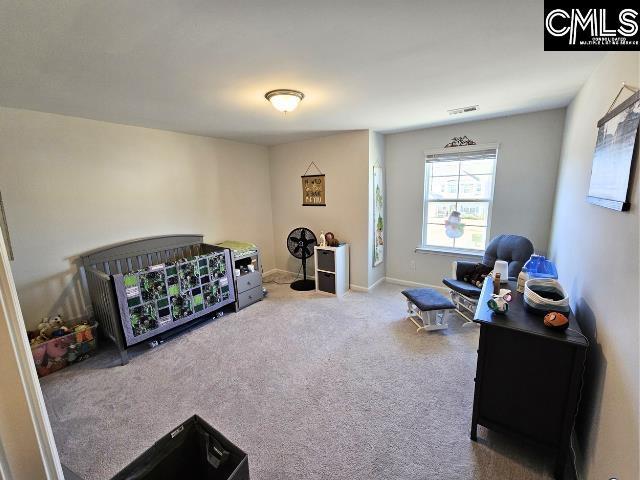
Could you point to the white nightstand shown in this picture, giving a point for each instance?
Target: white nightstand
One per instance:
(332, 269)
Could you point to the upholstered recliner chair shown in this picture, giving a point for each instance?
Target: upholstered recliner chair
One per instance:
(513, 249)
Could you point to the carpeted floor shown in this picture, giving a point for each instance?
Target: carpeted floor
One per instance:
(311, 386)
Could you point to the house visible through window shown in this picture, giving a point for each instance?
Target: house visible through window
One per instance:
(458, 180)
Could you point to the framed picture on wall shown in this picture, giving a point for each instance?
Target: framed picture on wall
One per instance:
(378, 216)
(613, 159)
(313, 194)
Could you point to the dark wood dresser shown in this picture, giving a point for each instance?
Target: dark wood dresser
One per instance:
(528, 377)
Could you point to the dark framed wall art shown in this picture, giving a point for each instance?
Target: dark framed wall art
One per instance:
(313, 194)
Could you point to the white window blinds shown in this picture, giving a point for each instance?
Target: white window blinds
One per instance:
(458, 196)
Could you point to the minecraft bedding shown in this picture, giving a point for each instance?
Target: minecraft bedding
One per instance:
(160, 297)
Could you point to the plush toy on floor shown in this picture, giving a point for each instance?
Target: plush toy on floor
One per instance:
(83, 333)
(50, 327)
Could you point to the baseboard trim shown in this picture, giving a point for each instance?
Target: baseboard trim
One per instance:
(359, 288)
(409, 283)
(376, 283)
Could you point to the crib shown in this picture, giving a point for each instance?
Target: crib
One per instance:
(104, 268)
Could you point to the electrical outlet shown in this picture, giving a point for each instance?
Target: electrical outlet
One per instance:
(412, 265)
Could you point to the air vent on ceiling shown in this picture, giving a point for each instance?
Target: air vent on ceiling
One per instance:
(456, 111)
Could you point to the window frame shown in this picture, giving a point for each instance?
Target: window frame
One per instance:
(424, 246)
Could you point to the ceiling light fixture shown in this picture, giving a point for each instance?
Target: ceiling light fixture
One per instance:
(284, 100)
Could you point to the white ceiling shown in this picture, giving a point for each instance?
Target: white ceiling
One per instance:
(203, 66)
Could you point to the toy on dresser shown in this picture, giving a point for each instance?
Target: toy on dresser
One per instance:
(477, 274)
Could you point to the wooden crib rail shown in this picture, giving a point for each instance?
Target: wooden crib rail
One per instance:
(140, 253)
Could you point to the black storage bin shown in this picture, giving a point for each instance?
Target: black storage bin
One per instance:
(327, 282)
(326, 260)
(195, 451)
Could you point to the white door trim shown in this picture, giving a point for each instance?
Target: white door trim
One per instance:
(12, 327)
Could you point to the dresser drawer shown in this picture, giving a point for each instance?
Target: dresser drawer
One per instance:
(248, 281)
(250, 296)
(326, 260)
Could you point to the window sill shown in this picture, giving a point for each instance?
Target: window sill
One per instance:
(449, 251)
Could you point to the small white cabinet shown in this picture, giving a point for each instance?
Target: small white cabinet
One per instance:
(332, 269)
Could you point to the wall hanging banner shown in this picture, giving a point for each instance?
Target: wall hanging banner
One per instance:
(378, 216)
(612, 168)
(313, 188)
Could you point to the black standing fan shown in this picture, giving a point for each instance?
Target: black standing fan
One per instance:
(300, 243)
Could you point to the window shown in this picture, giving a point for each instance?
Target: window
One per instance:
(458, 180)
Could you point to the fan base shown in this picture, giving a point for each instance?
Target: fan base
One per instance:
(303, 285)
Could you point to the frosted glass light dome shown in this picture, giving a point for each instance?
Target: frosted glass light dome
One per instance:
(284, 100)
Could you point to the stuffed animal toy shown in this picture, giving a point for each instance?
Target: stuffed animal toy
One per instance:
(61, 332)
(331, 240)
(49, 328)
(477, 275)
(52, 327)
(83, 333)
(37, 340)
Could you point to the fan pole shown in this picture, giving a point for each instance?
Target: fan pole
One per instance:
(304, 263)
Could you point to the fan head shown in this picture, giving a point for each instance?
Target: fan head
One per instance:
(300, 242)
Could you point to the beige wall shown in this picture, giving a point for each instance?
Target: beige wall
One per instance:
(524, 187)
(596, 251)
(71, 185)
(344, 159)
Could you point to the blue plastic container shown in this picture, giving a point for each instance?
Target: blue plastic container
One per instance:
(539, 267)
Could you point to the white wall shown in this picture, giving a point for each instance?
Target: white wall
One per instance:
(596, 251)
(524, 187)
(70, 185)
(344, 159)
(376, 158)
